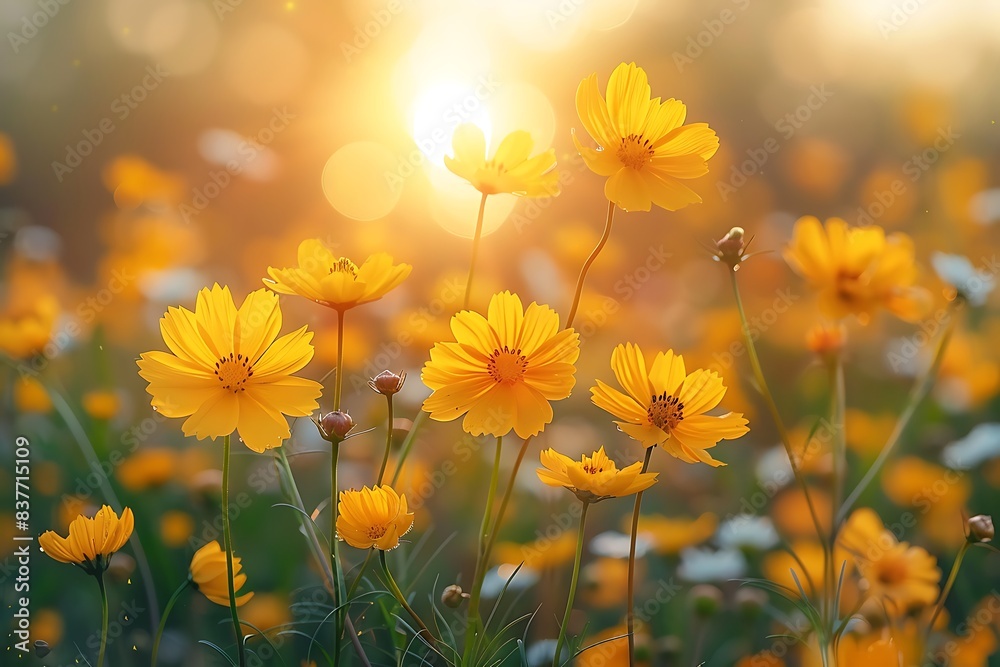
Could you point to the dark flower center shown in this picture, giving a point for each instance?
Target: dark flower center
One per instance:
(506, 366)
(234, 371)
(665, 412)
(634, 151)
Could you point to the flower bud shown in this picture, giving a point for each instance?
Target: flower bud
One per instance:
(980, 528)
(453, 596)
(705, 600)
(750, 601)
(42, 648)
(334, 426)
(731, 248)
(388, 383)
(826, 341)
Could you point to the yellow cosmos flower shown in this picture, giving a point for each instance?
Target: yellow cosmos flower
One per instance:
(857, 270)
(509, 170)
(593, 478)
(30, 395)
(25, 329)
(644, 147)
(229, 370)
(337, 282)
(904, 576)
(91, 542)
(101, 404)
(373, 518)
(666, 406)
(209, 573)
(503, 369)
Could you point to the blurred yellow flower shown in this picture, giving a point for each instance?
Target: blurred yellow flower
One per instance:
(666, 406)
(909, 481)
(644, 148)
(826, 340)
(132, 180)
(209, 574)
(857, 270)
(902, 576)
(148, 467)
(47, 626)
(30, 395)
(25, 329)
(762, 659)
(337, 282)
(510, 169)
(8, 159)
(101, 404)
(176, 527)
(229, 370)
(604, 582)
(671, 535)
(270, 612)
(807, 564)
(91, 542)
(373, 518)
(539, 555)
(610, 649)
(503, 369)
(593, 478)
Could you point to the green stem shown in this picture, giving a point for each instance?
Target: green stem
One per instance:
(505, 500)
(586, 265)
(838, 409)
(630, 592)
(163, 620)
(388, 441)
(917, 395)
(104, 619)
(948, 585)
(228, 537)
(408, 441)
(398, 594)
(475, 623)
(572, 585)
(361, 573)
(476, 238)
(338, 382)
(335, 567)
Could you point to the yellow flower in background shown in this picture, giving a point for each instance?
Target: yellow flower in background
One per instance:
(610, 649)
(25, 330)
(148, 467)
(176, 527)
(509, 170)
(903, 576)
(857, 270)
(593, 478)
(538, 555)
(503, 369)
(227, 369)
(666, 406)
(101, 404)
(337, 282)
(671, 535)
(373, 518)
(91, 542)
(8, 159)
(644, 147)
(30, 395)
(209, 573)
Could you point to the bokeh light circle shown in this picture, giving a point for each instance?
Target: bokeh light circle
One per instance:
(363, 181)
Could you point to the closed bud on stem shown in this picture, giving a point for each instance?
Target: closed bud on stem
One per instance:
(731, 248)
(388, 383)
(453, 596)
(334, 426)
(705, 600)
(980, 528)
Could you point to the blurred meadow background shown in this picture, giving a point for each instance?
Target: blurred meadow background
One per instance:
(149, 149)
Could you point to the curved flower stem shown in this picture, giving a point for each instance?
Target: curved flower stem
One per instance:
(329, 578)
(338, 382)
(477, 237)
(630, 594)
(475, 623)
(572, 585)
(948, 585)
(917, 395)
(163, 619)
(838, 409)
(104, 619)
(335, 567)
(228, 537)
(505, 500)
(388, 441)
(773, 409)
(398, 594)
(586, 265)
(404, 451)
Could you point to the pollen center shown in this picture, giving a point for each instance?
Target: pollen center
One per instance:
(344, 265)
(665, 412)
(634, 151)
(507, 366)
(376, 532)
(590, 468)
(891, 571)
(234, 371)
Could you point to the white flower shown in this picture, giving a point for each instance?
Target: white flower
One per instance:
(747, 531)
(773, 471)
(972, 284)
(612, 544)
(981, 444)
(704, 565)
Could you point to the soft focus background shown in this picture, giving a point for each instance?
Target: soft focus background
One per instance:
(150, 148)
